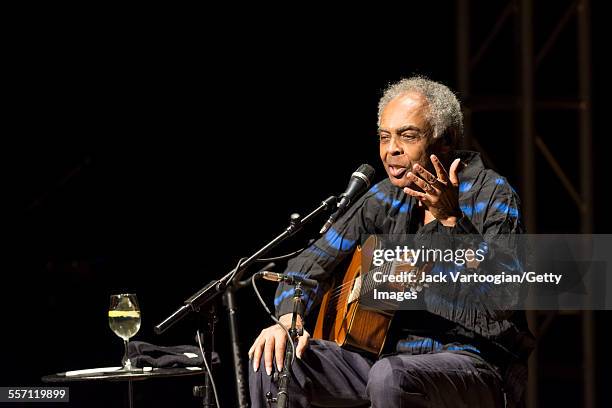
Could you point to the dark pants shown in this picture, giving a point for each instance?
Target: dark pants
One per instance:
(329, 376)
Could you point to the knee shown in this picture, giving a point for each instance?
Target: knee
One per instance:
(380, 378)
(389, 385)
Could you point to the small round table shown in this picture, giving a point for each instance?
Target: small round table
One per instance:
(136, 374)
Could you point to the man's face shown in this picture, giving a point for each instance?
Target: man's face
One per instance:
(404, 137)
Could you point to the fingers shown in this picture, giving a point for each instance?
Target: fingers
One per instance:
(440, 170)
(269, 354)
(302, 344)
(252, 349)
(257, 349)
(421, 183)
(418, 195)
(271, 343)
(279, 350)
(453, 176)
(427, 176)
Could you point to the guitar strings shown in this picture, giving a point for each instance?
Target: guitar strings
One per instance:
(344, 289)
(367, 285)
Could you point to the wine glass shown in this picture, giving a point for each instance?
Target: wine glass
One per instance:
(124, 320)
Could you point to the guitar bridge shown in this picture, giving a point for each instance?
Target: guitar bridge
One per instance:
(355, 290)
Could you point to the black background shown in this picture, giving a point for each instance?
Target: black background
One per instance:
(150, 150)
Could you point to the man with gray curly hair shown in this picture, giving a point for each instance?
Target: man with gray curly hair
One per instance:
(443, 113)
(420, 126)
(446, 354)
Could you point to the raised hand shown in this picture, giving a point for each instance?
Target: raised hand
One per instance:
(440, 193)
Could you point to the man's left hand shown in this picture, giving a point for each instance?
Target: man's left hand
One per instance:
(440, 194)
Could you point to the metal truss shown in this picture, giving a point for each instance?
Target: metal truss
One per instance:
(519, 15)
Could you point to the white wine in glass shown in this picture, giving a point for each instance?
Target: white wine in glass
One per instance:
(124, 320)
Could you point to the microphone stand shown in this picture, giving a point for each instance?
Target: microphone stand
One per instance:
(229, 301)
(294, 333)
(214, 288)
(207, 341)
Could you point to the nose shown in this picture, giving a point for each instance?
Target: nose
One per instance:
(394, 148)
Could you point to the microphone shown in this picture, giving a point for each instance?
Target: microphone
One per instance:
(291, 280)
(359, 183)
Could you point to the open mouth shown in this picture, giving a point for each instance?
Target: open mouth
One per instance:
(397, 171)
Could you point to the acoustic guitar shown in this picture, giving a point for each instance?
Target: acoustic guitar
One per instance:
(347, 316)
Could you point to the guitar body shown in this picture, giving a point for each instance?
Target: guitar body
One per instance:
(343, 319)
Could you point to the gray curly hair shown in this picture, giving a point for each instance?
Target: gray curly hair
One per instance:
(444, 113)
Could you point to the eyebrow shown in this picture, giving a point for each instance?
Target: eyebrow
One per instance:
(401, 129)
(408, 127)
